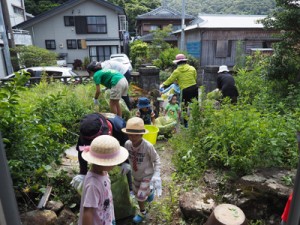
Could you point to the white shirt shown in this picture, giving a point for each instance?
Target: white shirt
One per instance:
(114, 65)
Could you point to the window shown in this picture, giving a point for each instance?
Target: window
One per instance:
(223, 49)
(90, 25)
(123, 25)
(69, 21)
(18, 10)
(79, 46)
(72, 44)
(102, 53)
(50, 44)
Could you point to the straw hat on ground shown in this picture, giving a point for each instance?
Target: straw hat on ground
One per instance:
(135, 125)
(105, 150)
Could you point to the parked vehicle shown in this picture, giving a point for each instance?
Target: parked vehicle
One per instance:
(51, 71)
(123, 58)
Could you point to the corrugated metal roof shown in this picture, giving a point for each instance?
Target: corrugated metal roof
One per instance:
(227, 21)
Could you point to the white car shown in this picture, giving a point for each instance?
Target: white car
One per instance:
(52, 71)
(122, 58)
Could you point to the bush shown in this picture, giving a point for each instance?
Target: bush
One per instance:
(258, 132)
(29, 56)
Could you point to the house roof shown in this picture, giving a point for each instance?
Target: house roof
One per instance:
(163, 13)
(69, 4)
(226, 21)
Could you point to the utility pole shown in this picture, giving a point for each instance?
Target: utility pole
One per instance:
(182, 48)
(3, 33)
(10, 36)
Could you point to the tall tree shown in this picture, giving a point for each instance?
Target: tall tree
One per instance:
(285, 63)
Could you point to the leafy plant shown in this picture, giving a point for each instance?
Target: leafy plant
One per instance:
(28, 56)
(138, 53)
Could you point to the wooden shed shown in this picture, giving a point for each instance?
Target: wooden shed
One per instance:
(214, 39)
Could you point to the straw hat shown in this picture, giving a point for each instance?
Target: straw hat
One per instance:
(180, 58)
(105, 150)
(135, 125)
(223, 68)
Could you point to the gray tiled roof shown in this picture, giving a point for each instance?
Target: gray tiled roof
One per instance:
(163, 12)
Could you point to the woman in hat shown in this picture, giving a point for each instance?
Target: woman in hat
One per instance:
(226, 83)
(96, 205)
(186, 77)
(145, 111)
(111, 79)
(145, 164)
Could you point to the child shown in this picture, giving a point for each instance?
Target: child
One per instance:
(91, 126)
(172, 109)
(145, 164)
(145, 112)
(96, 202)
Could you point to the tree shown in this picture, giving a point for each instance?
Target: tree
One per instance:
(285, 63)
(158, 43)
(29, 56)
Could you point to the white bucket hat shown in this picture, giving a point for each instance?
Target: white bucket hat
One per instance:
(105, 150)
(223, 68)
(135, 125)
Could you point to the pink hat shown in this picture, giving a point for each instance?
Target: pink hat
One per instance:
(180, 58)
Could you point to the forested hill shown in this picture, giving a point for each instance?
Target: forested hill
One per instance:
(193, 7)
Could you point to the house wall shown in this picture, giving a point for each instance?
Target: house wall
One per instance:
(54, 29)
(145, 26)
(206, 41)
(16, 9)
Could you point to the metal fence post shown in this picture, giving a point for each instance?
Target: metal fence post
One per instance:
(9, 214)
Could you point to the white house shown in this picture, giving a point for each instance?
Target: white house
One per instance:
(79, 29)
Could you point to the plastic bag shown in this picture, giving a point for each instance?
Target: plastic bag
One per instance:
(122, 205)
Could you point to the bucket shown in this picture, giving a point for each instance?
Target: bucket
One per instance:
(151, 136)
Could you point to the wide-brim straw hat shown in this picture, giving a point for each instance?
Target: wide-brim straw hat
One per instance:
(223, 68)
(105, 150)
(180, 58)
(135, 125)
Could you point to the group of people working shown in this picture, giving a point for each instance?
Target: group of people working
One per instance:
(107, 142)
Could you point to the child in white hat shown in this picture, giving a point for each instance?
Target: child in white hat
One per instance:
(96, 201)
(145, 164)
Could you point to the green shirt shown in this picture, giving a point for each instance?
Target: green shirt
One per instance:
(172, 111)
(185, 75)
(107, 77)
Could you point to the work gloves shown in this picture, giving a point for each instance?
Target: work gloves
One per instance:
(77, 182)
(125, 168)
(156, 183)
(96, 102)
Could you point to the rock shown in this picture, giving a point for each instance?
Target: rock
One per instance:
(55, 206)
(195, 204)
(66, 217)
(40, 217)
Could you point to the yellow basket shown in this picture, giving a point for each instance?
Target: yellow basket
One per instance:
(151, 136)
